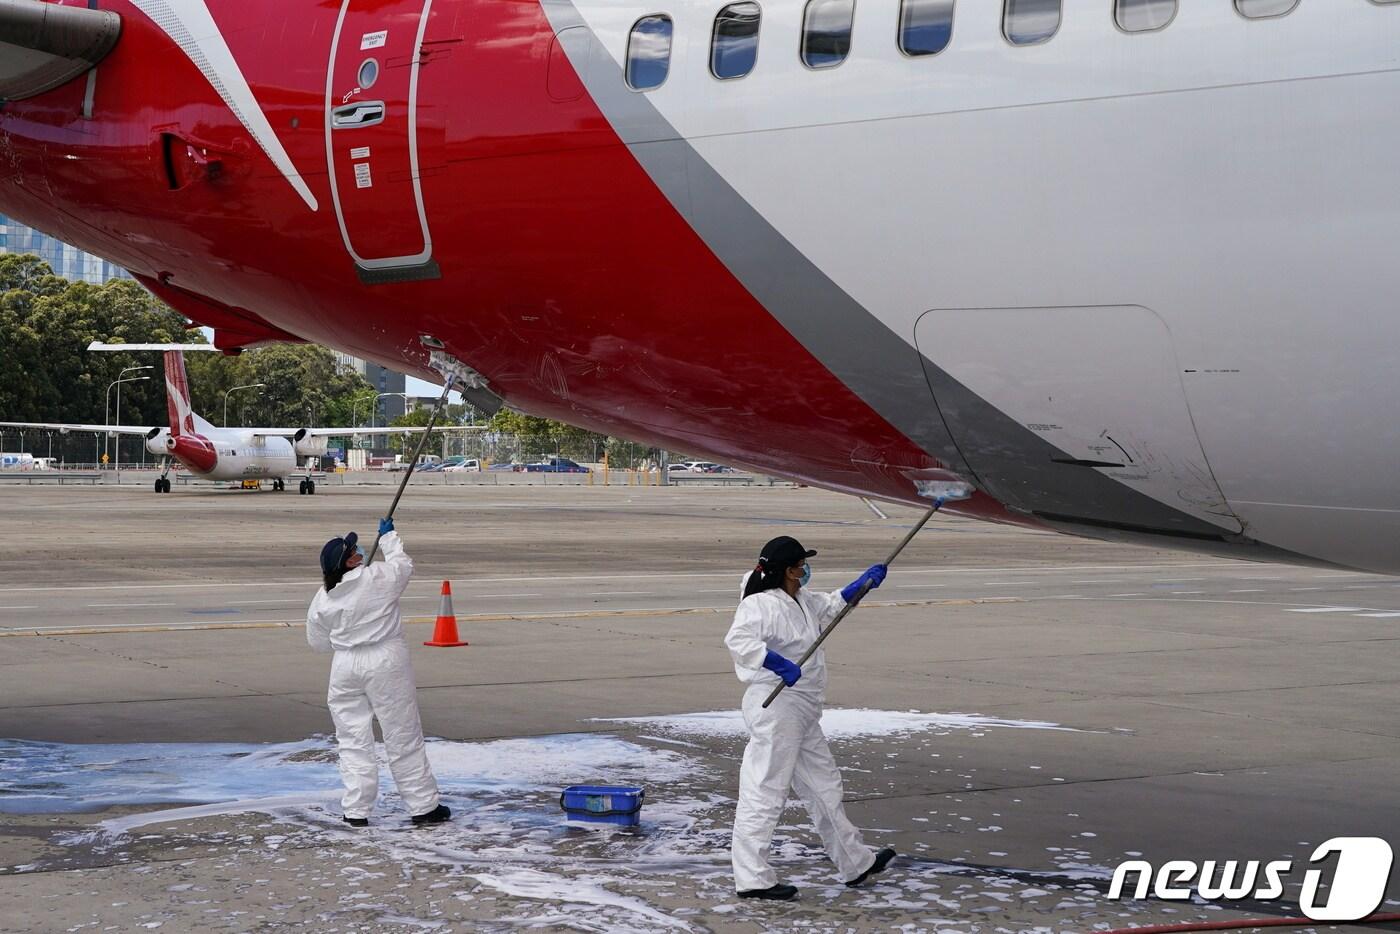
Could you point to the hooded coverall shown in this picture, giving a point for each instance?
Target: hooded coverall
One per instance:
(371, 677)
(786, 745)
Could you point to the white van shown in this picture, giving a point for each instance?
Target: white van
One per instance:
(470, 465)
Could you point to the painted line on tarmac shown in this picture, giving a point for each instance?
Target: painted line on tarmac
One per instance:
(197, 626)
(466, 582)
(124, 605)
(1287, 607)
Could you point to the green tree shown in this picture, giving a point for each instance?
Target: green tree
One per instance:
(541, 437)
(46, 324)
(303, 385)
(47, 374)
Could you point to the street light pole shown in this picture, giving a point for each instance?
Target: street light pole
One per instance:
(386, 410)
(117, 461)
(107, 405)
(354, 423)
(235, 389)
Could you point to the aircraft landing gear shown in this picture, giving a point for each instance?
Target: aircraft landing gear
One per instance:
(162, 485)
(279, 485)
(308, 486)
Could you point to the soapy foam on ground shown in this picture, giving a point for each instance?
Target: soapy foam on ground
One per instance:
(839, 723)
(52, 778)
(508, 837)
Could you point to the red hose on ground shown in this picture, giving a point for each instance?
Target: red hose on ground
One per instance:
(1248, 923)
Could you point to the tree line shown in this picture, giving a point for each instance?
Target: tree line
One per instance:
(47, 374)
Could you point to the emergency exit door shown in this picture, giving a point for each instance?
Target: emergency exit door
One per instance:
(371, 138)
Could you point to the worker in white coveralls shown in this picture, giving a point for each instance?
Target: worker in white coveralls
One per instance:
(777, 621)
(356, 615)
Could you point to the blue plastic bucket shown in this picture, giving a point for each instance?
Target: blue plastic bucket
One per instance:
(603, 804)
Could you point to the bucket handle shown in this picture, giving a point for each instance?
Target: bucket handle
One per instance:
(612, 813)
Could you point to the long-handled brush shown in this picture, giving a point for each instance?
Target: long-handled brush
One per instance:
(940, 492)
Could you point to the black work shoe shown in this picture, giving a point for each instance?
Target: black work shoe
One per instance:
(436, 816)
(774, 893)
(356, 821)
(882, 859)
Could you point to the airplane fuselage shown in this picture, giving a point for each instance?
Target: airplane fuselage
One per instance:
(1131, 285)
(239, 456)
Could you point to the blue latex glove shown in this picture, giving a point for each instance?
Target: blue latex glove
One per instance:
(386, 525)
(783, 668)
(875, 575)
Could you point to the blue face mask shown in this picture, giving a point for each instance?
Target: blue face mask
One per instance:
(806, 575)
(360, 550)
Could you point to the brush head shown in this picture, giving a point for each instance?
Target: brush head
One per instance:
(944, 491)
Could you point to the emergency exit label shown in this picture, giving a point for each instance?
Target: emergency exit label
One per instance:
(362, 179)
(374, 40)
(359, 152)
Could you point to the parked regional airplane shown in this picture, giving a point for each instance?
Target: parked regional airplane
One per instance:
(1126, 267)
(212, 453)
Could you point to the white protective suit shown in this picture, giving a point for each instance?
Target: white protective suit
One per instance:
(787, 748)
(371, 677)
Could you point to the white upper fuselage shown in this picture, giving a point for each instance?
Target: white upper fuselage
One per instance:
(1179, 240)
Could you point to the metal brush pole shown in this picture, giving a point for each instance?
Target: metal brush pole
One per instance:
(437, 410)
(860, 594)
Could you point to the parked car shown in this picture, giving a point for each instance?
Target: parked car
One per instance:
(701, 467)
(506, 465)
(465, 465)
(556, 465)
(678, 468)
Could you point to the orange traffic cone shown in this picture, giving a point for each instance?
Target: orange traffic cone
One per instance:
(445, 632)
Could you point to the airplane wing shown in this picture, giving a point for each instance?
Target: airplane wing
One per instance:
(65, 427)
(338, 432)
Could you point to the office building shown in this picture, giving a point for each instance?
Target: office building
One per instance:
(65, 260)
(388, 407)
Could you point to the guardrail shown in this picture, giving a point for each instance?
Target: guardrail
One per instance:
(49, 476)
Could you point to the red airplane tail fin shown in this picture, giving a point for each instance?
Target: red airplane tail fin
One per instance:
(177, 395)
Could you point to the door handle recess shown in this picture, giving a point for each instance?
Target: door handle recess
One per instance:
(360, 113)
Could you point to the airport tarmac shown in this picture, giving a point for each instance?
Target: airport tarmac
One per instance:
(1015, 712)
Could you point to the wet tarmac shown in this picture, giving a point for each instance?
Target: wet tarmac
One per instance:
(1017, 713)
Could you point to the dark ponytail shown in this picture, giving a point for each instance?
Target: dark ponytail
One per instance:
(764, 578)
(333, 578)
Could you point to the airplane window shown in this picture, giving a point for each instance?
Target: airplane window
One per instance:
(369, 73)
(1143, 15)
(1026, 22)
(1257, 9)
(734, 45)
(826, 32)
(925, 26)
(649, 52)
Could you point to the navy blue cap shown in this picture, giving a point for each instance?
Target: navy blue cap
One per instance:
(335, 552)
(783, 552)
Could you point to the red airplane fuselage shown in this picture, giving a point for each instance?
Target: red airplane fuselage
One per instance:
(562, 274)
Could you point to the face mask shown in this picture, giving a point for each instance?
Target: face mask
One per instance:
(806, 575)
(360, 550)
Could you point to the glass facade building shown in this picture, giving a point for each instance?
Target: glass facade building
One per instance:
(67, 261)
(389, 406)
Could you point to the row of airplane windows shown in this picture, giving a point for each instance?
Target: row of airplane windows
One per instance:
(925, 26)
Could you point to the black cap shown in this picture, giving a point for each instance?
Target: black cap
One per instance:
(783, 552)
(335, 551)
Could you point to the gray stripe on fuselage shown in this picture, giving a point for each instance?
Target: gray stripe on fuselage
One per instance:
(893, 378)
(804, 300)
